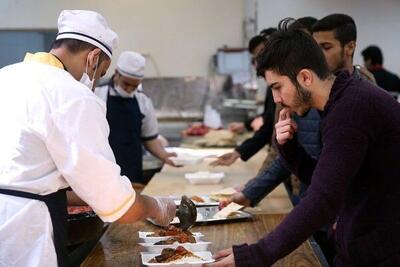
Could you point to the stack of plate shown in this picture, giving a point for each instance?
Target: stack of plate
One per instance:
(199, 249)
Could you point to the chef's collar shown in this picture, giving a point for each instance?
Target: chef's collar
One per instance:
(45, 58)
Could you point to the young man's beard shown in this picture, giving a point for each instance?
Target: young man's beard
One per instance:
(302, 102)
(341, 63)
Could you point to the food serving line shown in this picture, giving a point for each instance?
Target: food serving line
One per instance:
(119, 246)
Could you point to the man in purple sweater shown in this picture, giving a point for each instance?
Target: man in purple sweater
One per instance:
(356, 181)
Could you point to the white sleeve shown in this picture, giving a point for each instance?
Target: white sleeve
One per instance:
(78, 144)
(149, 122)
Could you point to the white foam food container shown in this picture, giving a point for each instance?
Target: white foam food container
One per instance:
(153, 239)
(204, 177)
(194, 247)
(188, 262)
(186, 159)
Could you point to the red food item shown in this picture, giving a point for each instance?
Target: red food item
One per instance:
(78, 209)
(169, 231)
(197, 199)
(197, 129)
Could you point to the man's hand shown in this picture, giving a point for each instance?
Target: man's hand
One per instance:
(285, 127)
(155, 148)
(166, 211)
(238, 198)
(226, 159)
(160, 210)
(223, 258)
(168, 161)
(236, 127)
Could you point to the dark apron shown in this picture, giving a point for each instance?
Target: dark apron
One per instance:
(125, 120)
(57, 205)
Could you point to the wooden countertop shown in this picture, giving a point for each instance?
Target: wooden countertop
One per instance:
(119, 245)
(171, 181)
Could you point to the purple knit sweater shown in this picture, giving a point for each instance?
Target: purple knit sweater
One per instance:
(355, 182)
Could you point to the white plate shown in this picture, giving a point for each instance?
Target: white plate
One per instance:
(194, 152)
(204, 177)
(195, 247)
(206, 255)
(150, 239)
(186, 159)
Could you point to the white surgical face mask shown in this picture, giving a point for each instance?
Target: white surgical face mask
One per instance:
(85, 79)
(122, 92)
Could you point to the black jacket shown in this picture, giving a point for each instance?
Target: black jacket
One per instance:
(264, 135)
(387, 80)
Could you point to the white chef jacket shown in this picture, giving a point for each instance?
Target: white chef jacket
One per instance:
(149, 122)
(54, 134)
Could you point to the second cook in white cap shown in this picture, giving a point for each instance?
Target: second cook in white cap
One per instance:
(131, 116)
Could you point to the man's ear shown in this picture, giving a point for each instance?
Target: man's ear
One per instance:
(94, 57)
(349, 48)
(305, 78)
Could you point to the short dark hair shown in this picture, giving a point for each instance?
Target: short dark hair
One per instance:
(254, 42)
(307, 23)
(267, 32)
(290, 50)
(373, 53)
(75, 46)
(344, 27)
(260, 38)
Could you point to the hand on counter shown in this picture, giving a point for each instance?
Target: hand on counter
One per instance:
(285, 127)
(226, 159)
(238, 198)
(168, 161)
(155, 148)
(223, 258)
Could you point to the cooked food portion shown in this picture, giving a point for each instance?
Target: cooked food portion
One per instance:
(78, 209)
(197, 199)
(220, 138)
(222, 194)
(182, 238)
(170, 231)
(174, 255)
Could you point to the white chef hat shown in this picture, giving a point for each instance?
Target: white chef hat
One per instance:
(87, 26)
(131, 64)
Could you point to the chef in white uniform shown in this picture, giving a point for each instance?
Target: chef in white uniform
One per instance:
(54, 135)
(131, 116)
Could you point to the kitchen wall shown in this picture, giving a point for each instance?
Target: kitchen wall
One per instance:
(179, 36)
(378, 22)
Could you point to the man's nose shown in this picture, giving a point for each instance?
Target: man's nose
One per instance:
(277, 97)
